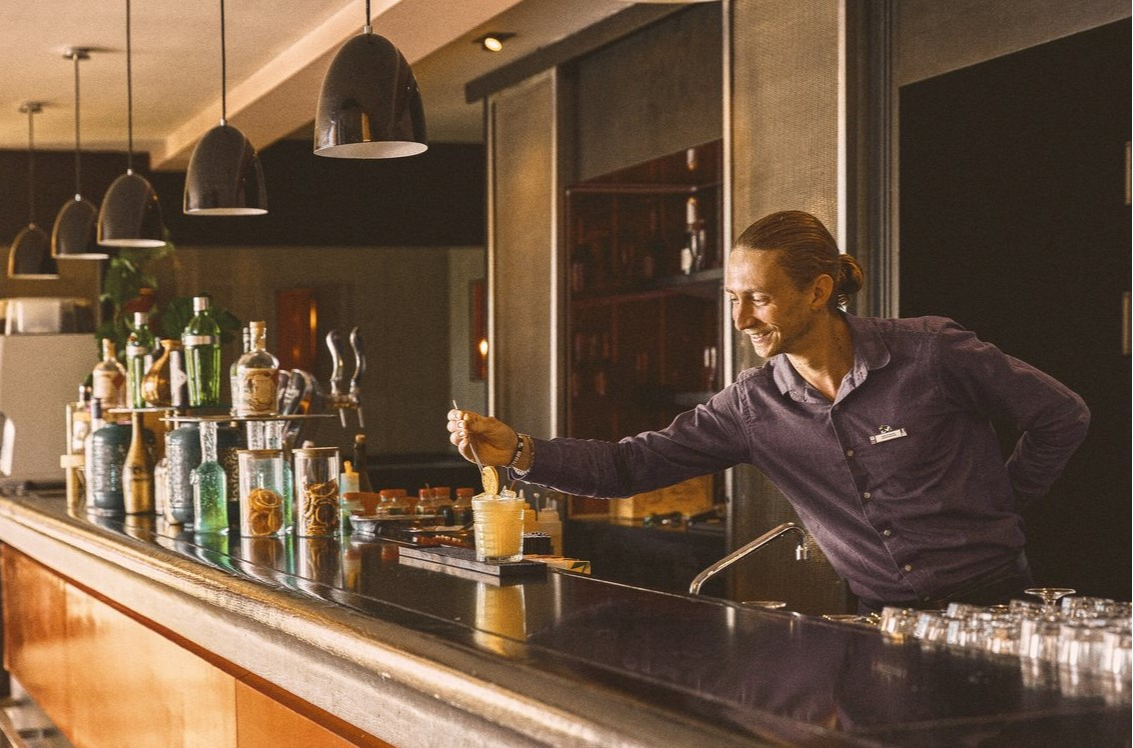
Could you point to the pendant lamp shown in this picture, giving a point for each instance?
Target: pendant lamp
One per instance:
(74, 233)
(225, 177)
(130, 214)
(369, 105)
(30, 256)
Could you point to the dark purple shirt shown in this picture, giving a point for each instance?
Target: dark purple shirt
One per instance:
(899, 517)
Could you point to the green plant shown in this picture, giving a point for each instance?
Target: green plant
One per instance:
(127, 274)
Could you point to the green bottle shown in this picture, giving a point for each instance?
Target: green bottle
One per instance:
(210, 486)
(201, 341)
(139, 358)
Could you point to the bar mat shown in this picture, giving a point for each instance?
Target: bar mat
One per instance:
(465, 558)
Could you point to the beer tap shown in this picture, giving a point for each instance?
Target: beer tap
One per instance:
(344, 397)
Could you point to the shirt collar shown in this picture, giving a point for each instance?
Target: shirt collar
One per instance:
(870, 352)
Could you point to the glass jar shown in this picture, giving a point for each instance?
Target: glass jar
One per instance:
(317, 510)
(392, 502)
(262, 493)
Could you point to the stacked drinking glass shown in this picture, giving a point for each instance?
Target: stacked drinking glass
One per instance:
(1079, 644)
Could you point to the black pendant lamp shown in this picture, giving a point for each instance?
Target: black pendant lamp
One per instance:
(130, 214)
(30, 255)
(74, 233)
(369, 105)
(225, 177)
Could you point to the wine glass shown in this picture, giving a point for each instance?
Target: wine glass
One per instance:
(1049, 595)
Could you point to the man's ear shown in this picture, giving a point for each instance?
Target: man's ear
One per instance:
(821, 290)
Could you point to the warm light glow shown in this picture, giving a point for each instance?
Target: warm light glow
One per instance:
(493, 41)
(483, 347)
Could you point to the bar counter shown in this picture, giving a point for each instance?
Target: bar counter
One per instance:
(414, 655)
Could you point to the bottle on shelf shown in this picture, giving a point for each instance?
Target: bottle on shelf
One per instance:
(106, 458)
(156, 390)
(361, 463)
(692, 254)
(233, 377)
(137, 471)
(139, 359)
(201, 341)
(256, 371)
(178, 379)
(109, 378)
(210, 486)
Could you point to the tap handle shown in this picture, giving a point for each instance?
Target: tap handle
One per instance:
(359, 362)
(338, 373)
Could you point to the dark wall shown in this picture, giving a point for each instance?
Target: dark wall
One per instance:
(54, 184)
(433, 199)
(1014, 223)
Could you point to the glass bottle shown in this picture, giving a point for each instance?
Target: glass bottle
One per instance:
(255, 373)
(96, 423)
(156, 392)
(692, 255)
(178, 379)
(106, 458)
(137, 472)
(210, 495)
(360, 463)
(233, 378)
(316, 492)
(109, 378)
(183, 452)
(139, 359)
(201, 340)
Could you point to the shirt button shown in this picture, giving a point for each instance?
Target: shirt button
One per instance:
(908, 567)
(887, 533)
(836, 408)
(867, 495)
(849, 453)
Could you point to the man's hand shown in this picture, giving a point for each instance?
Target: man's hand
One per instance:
(493, 440)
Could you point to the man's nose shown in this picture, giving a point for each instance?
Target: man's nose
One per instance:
(741, 315)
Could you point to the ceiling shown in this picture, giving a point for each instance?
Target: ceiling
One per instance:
(277, 53)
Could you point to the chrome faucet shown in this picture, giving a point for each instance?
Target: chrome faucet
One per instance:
(802, 553)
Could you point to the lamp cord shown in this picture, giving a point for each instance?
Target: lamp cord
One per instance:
(129, 98)
(31, 164)
(368, 28)
(78, 142)
(223, 71)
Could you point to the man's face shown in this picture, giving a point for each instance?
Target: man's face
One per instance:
(766, 306)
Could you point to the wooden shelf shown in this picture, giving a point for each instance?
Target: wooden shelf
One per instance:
(643, 337)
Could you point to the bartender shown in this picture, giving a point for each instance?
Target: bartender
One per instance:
(878, 431)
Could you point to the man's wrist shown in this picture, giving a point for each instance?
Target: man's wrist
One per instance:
(524, 456)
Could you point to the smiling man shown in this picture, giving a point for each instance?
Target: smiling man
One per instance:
(878, 431)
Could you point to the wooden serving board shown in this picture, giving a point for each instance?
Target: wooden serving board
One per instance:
(465, 558)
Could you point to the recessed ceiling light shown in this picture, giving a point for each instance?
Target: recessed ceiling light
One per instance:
(493, 41)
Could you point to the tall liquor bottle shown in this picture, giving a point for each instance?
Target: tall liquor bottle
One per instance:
(139, 358)
(360, 463)
(109, 378)
(137, 471)
(256, 370)
(201, 341)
